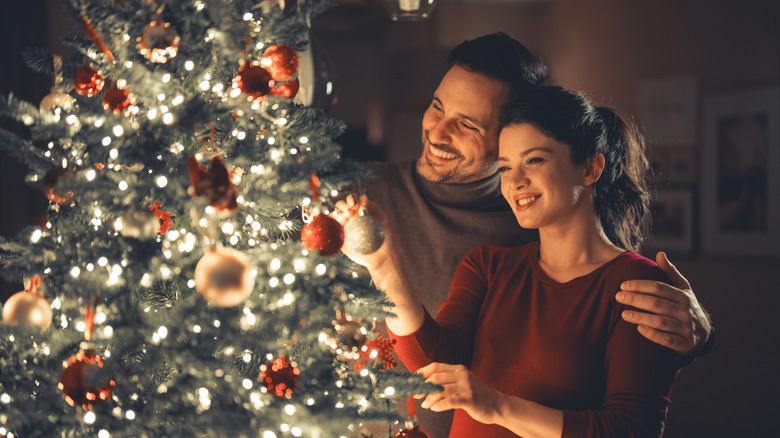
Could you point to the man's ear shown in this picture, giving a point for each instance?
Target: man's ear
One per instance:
(593, 169)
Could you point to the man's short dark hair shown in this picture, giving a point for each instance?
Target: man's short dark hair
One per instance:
(501, 57)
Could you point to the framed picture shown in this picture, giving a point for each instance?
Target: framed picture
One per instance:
(673, 228)
(740, 173)
(673, 164)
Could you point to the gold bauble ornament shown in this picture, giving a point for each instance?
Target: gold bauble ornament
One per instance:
(28, 307)
(223, 277)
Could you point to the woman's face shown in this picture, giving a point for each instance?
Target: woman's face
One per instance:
(538, 177)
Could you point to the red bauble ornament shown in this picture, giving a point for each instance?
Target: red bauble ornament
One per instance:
(119, 101)
(84, 382)
(288, 89)
(223, 277)
(282, 61)
(253, 81)
(88, 81)
(280, 377)
(412, 432)
(213, 183)
(50, 185)
(323, 234)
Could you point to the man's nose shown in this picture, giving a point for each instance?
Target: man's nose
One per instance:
(439, 133)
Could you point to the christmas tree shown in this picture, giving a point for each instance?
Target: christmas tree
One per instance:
(168, 291)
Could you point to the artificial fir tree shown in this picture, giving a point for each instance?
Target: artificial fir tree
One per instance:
(167, 292)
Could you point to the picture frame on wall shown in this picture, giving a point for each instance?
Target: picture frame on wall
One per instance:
(673, 227)
(740, 172)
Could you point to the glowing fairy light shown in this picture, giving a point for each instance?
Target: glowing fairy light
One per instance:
(227, 228)
(99, 122)
(288, 279)
(106, 141)
(289, 298)
(152, 113)
(113, 153)
(90, 417)
(166, 78)
(272, 140)
(81, 326)
(178, 100)
(273, 282)
(303, 140)
(246, 383)
(167, 118)
(320, 269)
(389, 391)
(118, 130)
(161, 181)
(275, 264)
(123, 185)
(91, 174)
(205, 85)
(102, 261)
(289, 410)
(247, 357)
(241, 135)
(247, 16)
(36, 235)
(310, 401)
(196, 329)
(281, 121)
(75, 271)
(71, 119)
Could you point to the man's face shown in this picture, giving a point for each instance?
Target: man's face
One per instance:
(460, 128)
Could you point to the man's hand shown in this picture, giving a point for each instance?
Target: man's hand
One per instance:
(673, 315)
(462, 390)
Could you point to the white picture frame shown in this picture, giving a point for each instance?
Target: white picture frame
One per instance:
(740, 173)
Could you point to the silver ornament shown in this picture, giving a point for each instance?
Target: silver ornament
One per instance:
(140, 223)
(363, 234)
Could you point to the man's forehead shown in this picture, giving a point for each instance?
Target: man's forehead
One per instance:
(476, 96)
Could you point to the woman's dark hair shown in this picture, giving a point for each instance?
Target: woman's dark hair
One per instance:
(622, 197)
(501, 57)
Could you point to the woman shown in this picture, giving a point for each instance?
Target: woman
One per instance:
(530, 341)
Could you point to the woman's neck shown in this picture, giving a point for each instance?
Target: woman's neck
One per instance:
(574, 249)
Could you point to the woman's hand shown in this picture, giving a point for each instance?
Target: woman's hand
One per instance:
(462, 390)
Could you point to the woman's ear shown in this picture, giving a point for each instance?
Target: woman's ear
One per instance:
(593, 169)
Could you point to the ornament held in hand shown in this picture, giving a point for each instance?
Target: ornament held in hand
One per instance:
(281, 61)
(213, 183)
(88, 81)
(28, 307)
(139, 223)
(279, 377)
(323, 234)
(159, 41)
(412, 432)
(223, 277)
(363, 233)
(253, 80)
(84, 381)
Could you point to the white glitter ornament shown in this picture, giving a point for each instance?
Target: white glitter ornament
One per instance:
(363, 233)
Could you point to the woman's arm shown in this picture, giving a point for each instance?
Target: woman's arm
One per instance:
(463, 390)
(387, 274)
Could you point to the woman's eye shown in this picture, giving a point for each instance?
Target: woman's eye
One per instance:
(535, 160)
(502, 169)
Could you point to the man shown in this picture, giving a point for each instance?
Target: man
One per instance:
(449, 200)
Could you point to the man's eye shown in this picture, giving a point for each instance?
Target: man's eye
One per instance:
(467, 126)
(436, 106)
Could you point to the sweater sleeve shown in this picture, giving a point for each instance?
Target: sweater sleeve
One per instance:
(639, 377)
(449, 337)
